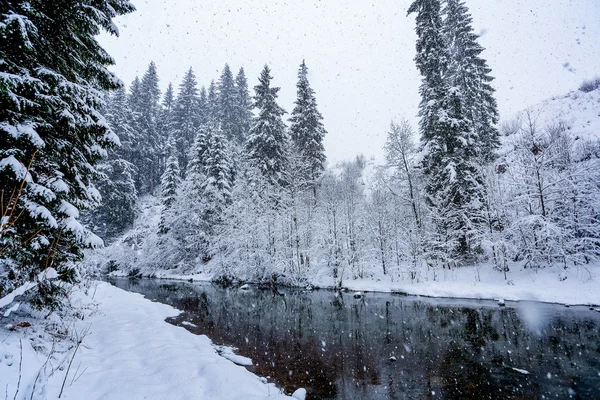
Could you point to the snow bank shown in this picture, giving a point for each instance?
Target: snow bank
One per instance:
(551, 285)
(574, 286)
(130, 352)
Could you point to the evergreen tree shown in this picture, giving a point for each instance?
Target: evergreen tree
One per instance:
(150, 141)
(243, 106)
(186, 117)
(226, 100)
(217, 168)
(132, 150)
(52, 75)
(120, 118)
(212, 103)
(169, 183)
(212, 154)
(306, 129)
(470, 74)
(165, 126)
(188, 226)
(454, 186)
(117, 210)
(117, 179)
(203, 106)
(267, 142)
(198, 151)
(150, 95)
(168, 99)
(134, 99)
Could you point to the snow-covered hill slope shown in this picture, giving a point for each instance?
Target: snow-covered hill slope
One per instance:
(579, 111)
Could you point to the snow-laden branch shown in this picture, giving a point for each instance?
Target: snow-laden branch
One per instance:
(47, 274)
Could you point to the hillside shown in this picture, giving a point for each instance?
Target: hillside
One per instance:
(580, 111)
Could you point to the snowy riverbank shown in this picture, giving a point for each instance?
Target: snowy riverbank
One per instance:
(573, 286)
(127, 351)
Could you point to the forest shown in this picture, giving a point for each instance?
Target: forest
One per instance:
(245, 191)
(195, 242)
(247, 194)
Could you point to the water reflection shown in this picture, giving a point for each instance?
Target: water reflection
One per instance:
(339, 347)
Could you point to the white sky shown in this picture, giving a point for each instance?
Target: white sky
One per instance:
(359, 53)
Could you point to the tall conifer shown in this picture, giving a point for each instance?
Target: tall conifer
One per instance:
(186, 117)
(52, 76)
(267, 142)
(226, 100)
(307, 130)
(243, 106)
(454, 185)
(471, 75)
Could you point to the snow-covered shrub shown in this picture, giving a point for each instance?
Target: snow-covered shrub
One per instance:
(590, 85)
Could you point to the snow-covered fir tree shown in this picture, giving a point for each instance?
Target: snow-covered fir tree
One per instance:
(186, 117)
(118, 207)
(267, 142)
(170, 181)
(471, 75)
(203, 106)
(226, 100)
(217, 168)
(149, 169)
(120, 117)
(165, 126)
(116, 183)
(52, 133)
(134, 97)
(168, 99)
(212, 103)
(307, 130)
(455, 186)
(187, 224)
(243, 106)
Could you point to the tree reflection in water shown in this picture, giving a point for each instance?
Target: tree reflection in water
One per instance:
(338, 347)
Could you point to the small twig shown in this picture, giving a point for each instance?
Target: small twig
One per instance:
(43, 368)
(82, 372)
(75, 374)
(80, 339)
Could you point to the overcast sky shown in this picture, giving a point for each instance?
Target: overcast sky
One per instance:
(359, 53)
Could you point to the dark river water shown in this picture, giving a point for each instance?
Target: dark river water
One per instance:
(340, 347)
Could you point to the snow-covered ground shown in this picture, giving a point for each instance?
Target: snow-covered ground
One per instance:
(580, 112)
(127, 351)
(572, 286)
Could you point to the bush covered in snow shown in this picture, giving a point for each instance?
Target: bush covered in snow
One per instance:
(590, 85)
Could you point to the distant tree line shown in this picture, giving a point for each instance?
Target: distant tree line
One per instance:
(247, 196)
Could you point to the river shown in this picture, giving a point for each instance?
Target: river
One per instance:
(385, 346)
